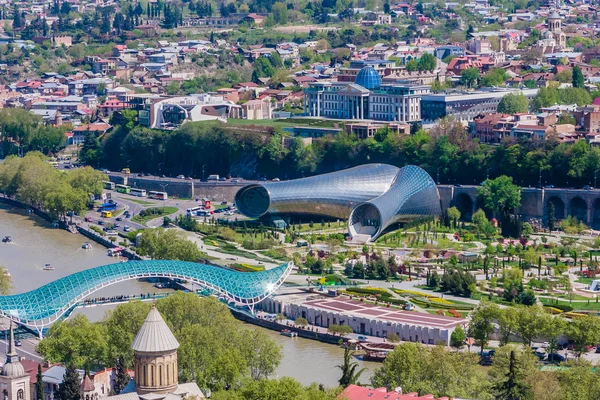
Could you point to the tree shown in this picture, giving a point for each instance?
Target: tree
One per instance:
(513, 387)
(75, 342)
(39, 384)
(350, 375)
(168, 244)
(508, 321)
(453, 215)
(481, 325)
(551, 216)
(578, 79)
(513, 103)
(530, 323)
(500, 194)
(584, 331)
(285, 388)
(280, 13)
(469, 77)
(69, 388)
(412, 65)
(458, 337)
(545, 97)
(427, 62)
(5, 281)
(495, 77)
(122, 376)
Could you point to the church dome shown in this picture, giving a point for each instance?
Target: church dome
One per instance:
(13, 369)
(154, 336)
(368, 78)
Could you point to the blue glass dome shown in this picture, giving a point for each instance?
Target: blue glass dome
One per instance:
(368, 78)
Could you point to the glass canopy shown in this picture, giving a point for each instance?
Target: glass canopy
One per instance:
(47, 303)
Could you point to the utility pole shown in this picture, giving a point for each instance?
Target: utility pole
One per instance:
(595, 174)
(438, 175)
(204, 165)
(540, 178)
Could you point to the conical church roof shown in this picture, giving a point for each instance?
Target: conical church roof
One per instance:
(154, 336)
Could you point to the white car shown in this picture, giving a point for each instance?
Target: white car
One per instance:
(180, 176)
(275, 179)
(126, 229)
(112, 233)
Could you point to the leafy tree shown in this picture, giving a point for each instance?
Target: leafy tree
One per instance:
(584, 331)
(530, 323)
(350, 375)
(508, 323)
(168, 244)
(481, 325)
(578, 79)
(285, 388)
(76, 342)
(427, 62)
(494, 77)
(5, 281)
(280, 13)
(513, 103)
(412, 65)
(454, 215)
(458, 337)
(69, 388)
(500, 194)
(469, 77)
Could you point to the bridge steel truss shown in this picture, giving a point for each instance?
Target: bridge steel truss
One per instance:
(43, 306)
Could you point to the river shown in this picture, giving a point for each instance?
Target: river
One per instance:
(35, 243)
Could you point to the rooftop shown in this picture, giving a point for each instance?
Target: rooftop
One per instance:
(154, 336)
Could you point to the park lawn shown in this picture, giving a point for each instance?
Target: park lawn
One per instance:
(577, 306)
(164, 212)
(585, 280)
(142, 202)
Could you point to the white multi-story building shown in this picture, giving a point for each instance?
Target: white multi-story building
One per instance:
(366, 98)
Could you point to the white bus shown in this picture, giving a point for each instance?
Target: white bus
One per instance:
(158, 195)
(191, 212)
(109, 185)
(137, 192)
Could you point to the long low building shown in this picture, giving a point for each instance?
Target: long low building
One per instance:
(465, 106)
(366, 319)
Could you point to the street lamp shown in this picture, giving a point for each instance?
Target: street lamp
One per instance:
(595, 173)
(540, 178)
(204, 165)
(438, 175)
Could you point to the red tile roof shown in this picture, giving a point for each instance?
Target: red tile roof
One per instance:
(354, 392)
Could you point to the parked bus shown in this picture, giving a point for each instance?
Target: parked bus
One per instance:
(203, 213)
(138, 192)
(108, 207)
(213, 177)
(106, 214)
(206, 203)
(158, 195)
(109, 185)
(122, 188)
(125, 171)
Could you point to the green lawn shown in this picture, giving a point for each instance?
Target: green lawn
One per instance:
(142, 202)
(585, 280)
(164, 211)
(577, 306)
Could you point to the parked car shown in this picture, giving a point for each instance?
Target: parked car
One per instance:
(100, 222)
(540, 354)
(363, 339)
(87, 219)
(263, 179)
(275, 179)
(18, 343)
(556, 358)
(126, 229)
(119, 219)
(588, 187)
(235, 180)
(222, 179)
(180, 176)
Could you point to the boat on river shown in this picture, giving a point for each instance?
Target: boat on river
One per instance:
(114, 252)
(86, 246)
(6, 239)
(288, 333)
(376, 351)
(48, 267)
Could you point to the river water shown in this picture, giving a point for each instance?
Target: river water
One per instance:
(35, 243)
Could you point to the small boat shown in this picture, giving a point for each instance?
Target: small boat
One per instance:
(114, 252)
(6, 239)
(48, 267)
(288, 333)
(86, 246)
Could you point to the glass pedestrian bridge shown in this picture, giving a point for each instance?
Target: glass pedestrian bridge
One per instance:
(46, 304)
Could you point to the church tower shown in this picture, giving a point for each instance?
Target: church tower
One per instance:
(555, 26)
(155, 356)
(14, 382)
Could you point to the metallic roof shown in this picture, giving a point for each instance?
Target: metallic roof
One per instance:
(154, 336)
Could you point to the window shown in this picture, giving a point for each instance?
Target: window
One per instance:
(20, 394)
